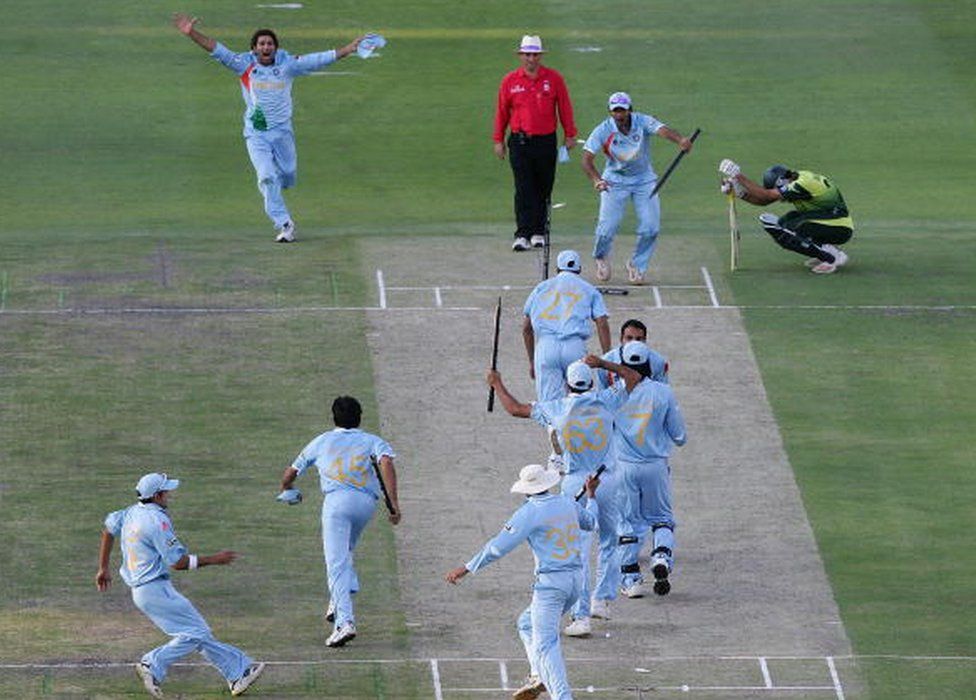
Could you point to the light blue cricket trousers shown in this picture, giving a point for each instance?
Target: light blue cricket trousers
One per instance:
(645, 505)
(175, 615)
(275, 162)
(538, 626)
(613, 204)
(608, 521)
(552, 356)
(345, 514)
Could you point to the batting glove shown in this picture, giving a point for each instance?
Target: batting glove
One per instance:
(729, 168)
(290, 496)
(725, 187)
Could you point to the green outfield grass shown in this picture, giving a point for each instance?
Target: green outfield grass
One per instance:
(128, 186)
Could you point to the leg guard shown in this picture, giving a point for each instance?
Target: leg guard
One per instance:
(790, 240)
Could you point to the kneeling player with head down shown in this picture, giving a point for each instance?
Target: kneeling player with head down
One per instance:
(819, 222)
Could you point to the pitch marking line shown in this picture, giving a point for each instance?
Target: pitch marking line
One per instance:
(835, 678)
(764, 668)
(436, 676)
(382, 288)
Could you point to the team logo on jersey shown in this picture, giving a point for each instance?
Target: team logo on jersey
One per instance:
(545, 86)
(517, 88)
(171, 542)
(165, 525)
(509, 528)
(275, 71)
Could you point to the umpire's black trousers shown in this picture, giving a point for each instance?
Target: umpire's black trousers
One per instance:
(533, 160)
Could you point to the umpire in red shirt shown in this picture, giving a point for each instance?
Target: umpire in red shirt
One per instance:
(530, 99)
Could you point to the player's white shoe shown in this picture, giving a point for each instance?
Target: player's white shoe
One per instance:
(768, 219)
(823, 268)
(344, 633)
(520, 244)
(812, 262)
(840, 257)
(634, 275)
(286, 234)
(330, 611)
(240, 686)
(537, 241)
(603, 269)
(152, 685)
(634, 590)
(661, 570)
(531, 689)
(580, 627)
(600, 608)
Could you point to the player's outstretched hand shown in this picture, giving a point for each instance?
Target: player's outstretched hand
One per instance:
(223, 557)
(592, 360)
(455, 575)
(184, 22)
(729, 168)
(592, 481)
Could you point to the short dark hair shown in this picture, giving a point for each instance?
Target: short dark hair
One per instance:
(633, 323)
(263, 32)
(346, 412)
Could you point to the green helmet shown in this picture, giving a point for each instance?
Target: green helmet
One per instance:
(772, 174)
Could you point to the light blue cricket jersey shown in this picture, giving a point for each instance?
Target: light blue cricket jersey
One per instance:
(149, 545)
(585, 425)
(343, 460)
(648, 423)
(628, 155)
(659, 367)
(269, 87)
(551, 523)
(563, 306)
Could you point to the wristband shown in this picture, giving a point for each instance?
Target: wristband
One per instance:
(194, 562)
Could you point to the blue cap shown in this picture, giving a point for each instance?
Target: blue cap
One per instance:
(579, 376)
(569, 260)
(635, 353)
(618, 100)
(151, 484)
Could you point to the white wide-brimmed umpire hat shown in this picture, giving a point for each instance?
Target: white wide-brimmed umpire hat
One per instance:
(619, 100)
(535, 478)
(579, 376)
(531, 43)
(151, 484)
(569, 260)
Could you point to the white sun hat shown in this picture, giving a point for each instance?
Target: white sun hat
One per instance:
(531, 43)
(535, 478)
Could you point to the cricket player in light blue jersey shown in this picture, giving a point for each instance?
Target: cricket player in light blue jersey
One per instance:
(551, 524)
(645, 429)
(557, 321)
(150, 550)
(632, 329)
(349, 462)
(266, 74)
(583, 424)
(628, 176)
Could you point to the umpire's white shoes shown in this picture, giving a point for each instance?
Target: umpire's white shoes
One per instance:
(330, 612)
(531, 689)
(580, 627)
(286, 234)
(634, 590)
(240, 686)
(634, 275)
(600, 608)
(661, 571)
(538, 241)
(345, 632)
(520, 244)
(152, 685)
(603, 269)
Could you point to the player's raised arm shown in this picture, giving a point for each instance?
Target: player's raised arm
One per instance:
(510, 403)
(186, 26)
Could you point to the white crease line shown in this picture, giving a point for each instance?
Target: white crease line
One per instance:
(711, 289)
(838, 688)
(764, 668)
(657, 297)
(379, 283)
(437, 297)
(503, 672)
(435, 674)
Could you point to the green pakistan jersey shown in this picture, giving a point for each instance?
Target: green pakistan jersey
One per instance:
(816, 197)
